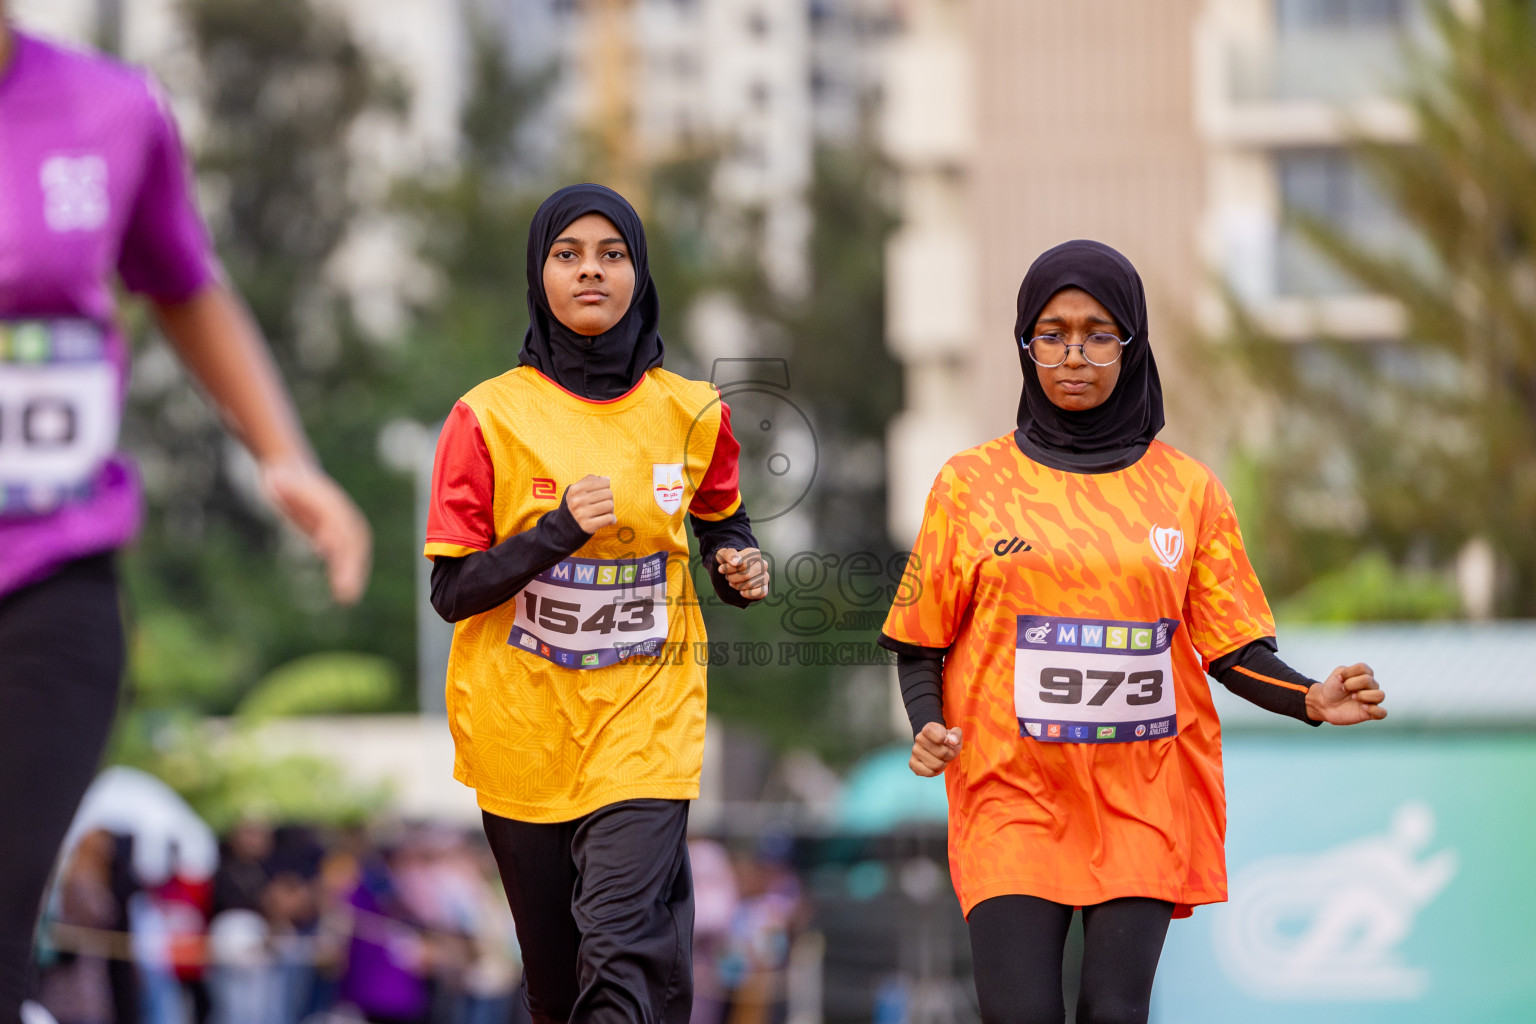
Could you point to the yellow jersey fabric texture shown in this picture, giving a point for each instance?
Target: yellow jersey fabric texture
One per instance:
(541, 742)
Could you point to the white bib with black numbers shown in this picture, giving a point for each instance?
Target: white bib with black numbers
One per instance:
(59, 411)
(1094, 680)
(592, 612)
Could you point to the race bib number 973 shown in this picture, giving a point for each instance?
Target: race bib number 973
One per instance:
(1094, 680)
(591, 612)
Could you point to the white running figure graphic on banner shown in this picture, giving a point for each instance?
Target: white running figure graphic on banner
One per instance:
(1328, 926)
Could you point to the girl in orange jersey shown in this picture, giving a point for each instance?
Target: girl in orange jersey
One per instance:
(1072, 584)
(556, 530)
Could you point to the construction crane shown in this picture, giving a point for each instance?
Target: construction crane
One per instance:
(609, 68)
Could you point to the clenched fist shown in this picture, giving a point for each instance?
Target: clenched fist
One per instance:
(933, 749)
(745, 570)
(590, 501)
(1350, 695)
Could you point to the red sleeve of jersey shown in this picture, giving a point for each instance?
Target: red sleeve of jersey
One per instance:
(718, 495)
(461, 514)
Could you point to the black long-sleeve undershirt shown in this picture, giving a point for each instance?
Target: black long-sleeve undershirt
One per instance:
(1253, 672)
(482, 580)
(734, 531)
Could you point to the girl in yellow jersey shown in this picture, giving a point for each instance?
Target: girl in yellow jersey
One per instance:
(574, 695)
(1072, 583)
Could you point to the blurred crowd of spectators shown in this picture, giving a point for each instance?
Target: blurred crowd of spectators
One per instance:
(407, 927)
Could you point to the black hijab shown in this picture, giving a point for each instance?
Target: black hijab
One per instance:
(1115, 434)
(609, 364)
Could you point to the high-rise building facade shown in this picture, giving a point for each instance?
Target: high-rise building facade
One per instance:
(1180, 132)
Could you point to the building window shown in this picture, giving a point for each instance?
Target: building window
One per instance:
(757, 24)
(1328, 185)
(1303, 15)
(760, 94)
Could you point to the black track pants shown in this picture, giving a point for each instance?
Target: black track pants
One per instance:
(604, 912)
(61, 659)
(1016, 947)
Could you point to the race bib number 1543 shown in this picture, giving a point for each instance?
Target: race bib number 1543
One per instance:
(592, 613)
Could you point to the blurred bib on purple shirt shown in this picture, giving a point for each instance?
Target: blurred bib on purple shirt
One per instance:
(59, 413)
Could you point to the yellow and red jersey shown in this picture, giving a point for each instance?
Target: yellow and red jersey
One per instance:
(584, 689)
(1080, 612)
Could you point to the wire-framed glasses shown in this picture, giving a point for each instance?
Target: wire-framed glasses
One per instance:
(1099, 348)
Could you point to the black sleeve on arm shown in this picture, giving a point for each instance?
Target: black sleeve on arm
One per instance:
(920, 671)
(1256, 674)
(478, 582)
(734, 531)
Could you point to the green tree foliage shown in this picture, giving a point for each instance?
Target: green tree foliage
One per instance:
(827, 602)
(1417, 446)
(331, 682)
(284, 88)
(1372, 589)
(472, 225)
(230, 773)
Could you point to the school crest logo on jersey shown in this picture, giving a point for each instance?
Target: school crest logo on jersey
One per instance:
(74, 192)
(667, 480)
(1167, 545)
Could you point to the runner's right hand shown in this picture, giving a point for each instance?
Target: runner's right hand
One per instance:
(590, 501)
(933, 749)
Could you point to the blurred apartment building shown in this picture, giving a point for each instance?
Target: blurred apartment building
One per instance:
(1181, 132)
(756, 84)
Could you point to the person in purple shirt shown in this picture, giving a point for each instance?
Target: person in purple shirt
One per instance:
(94, 185)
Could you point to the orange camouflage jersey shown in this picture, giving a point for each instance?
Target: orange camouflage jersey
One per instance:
(1080, 612)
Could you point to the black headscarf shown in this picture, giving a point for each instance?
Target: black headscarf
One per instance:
(1112, 435)
(609, 364)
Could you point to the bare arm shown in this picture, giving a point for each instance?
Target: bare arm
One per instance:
(223, 348)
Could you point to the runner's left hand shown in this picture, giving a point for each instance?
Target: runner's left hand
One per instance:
(333, 524)
(1350, 695)
(745, 570)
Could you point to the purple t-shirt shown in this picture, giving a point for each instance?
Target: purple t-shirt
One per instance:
(92, 181)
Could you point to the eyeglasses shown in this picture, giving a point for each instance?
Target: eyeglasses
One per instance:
(1050, 350)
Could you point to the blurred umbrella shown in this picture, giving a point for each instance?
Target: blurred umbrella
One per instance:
(167, 833)
(881, 793)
